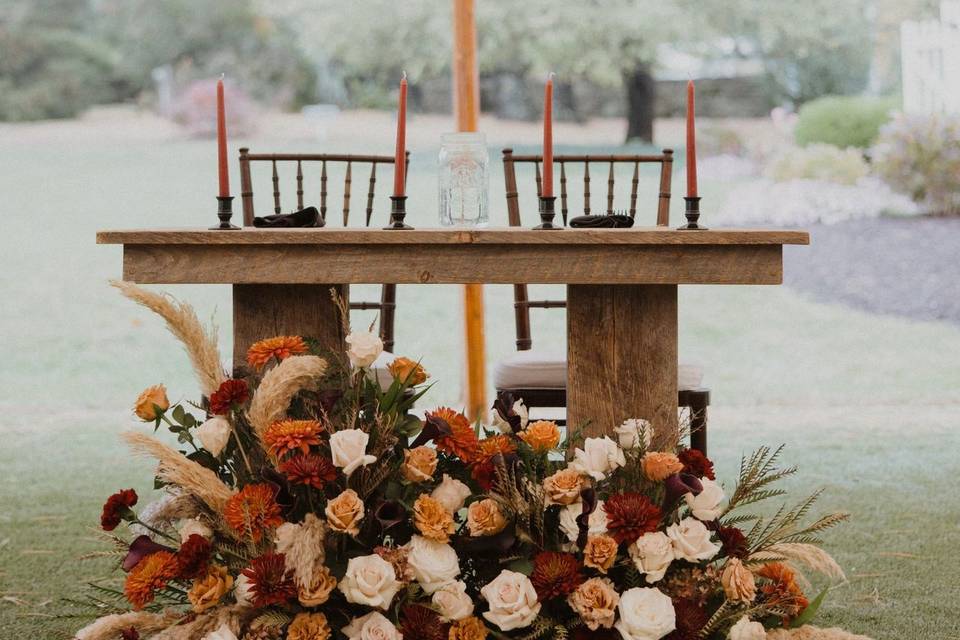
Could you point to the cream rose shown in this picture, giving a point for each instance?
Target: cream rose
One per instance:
(371, 581)
(596, 524)
(345, 512)
(634, 432)
(241, 591)
(512, 599)
(223, 632)
(645, 614)
(348, 450)
(214, 434)
(419, 464)
(652, 553)
(452, 602)
(563, 487)
(691, 540)
(598, 458)
(373, 626)
(745, 629)
(192, 526)
(706, 505)
(595, 601)
(364, 348)
(434, 564)
(451, 493)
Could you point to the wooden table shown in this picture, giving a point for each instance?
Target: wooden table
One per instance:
(621, 288)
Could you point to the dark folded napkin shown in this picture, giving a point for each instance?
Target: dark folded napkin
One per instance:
(308, 217)
(613, 221)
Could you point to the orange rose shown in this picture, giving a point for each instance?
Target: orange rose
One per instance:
(596, 602)
(431, 519)
(542, 435)
(600, 552)
(208, 589)
(345, 512)
(419, 464)
(484, 518)
(151, 403)
(738, 583)
(407, 371)
(659, 466)
(563, 487)
(319, 590)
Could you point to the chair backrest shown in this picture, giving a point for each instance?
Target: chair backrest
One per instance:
(521, 303)
(388, 295)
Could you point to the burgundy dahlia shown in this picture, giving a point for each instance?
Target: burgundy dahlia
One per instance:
(231, 394)
(630, 515)
(555, 574)
(417, 621)
(309, 469)
(269, 581)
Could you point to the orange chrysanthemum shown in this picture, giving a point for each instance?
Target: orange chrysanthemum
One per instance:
(462, 442)
(280, 347)
(782, 590)
(150, 575)
(284, 436)
(488, 450)
(630, 515)
(470, 628)
(555, 574)
(253, 510)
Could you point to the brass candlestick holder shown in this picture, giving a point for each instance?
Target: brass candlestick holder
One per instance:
(398, 211)
(224, 212)
(692, 214)
(547, 213)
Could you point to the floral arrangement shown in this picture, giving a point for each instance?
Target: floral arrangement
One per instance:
(309, 503)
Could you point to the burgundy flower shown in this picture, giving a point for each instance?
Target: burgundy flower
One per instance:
(270, 583)
(555, 574)
(630, 515)
(118, 508)
(691, 618)
(417, 621)
(696, 464)
(309, 469)
(140, 548)
(231, 394)
(194, 556)
(734, 542)
(679, 485)
(129, 634)
(503, 405)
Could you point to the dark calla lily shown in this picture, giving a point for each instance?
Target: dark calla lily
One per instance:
(589, 499)
(503, 405)
(680, 484)
(390, 513)
(279, 482)
(433, 428)
(140, 548)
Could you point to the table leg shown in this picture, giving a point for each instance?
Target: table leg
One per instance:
(622, 357)
(266, 310)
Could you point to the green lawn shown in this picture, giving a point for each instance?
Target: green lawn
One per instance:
(869, 406)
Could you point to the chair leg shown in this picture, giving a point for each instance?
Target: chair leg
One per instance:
(699, 401)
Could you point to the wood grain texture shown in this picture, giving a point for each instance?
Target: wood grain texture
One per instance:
(327, 236)
(453, 264)
(622, 356)
(266, 310)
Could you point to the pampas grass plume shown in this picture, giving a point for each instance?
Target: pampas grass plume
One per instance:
(278, 387)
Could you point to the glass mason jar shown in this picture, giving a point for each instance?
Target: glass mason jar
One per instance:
(464, 180)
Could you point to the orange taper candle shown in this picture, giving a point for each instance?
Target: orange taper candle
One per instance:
(224, 170)
(400, 159)
(691, 142)
(547, 189)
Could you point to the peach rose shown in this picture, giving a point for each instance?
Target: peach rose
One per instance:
(659, 466)
(738, 583)
(419, 464)
(345, 512)
(318, 591)
(563, 487)
(207, 590)
(600, 552)
(309, 626)
(408, 371)
(431, 519)
(542, 435)
(151, 403)
(484, 518)
(595, 601)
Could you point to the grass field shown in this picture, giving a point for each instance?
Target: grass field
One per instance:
(869, 406)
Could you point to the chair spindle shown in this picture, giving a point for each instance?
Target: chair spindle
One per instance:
(633, 189)
(586, 186)
(323, 190)
(299, 185)
(373, 182)
(539, 180)
(563, 192)
(610, 190)
(276, 189)
(347, 179)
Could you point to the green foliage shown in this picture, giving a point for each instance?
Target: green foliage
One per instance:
(920, 156)
(818, 162)
(843, 121)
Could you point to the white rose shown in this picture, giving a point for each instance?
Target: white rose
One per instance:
(633, 432)
(370, 580)
(372, 626)
(451, 493)
(747, 630)
(518, 408)
(596, 523)
(652, 553)
(241, 591)
(512, 599)
(691, 540)
(598, 457)
(222, 633)
(348, 450)
(192, 526)
(364, 348)
(214, 434)
(452, 602)
(434, 564)
(706, 505)
(645, 614)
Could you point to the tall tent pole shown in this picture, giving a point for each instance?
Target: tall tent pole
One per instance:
(466, 103)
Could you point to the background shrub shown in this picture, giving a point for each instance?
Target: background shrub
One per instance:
(818, 162)
(843, 121)
(920, 156)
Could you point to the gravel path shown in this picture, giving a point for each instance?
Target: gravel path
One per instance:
(901, 266)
